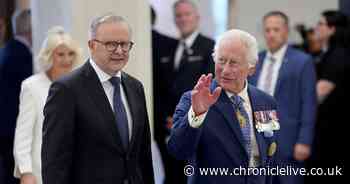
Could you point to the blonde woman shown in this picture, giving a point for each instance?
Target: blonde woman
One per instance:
(59, 54)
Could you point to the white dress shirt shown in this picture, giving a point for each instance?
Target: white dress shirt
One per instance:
(180, 47)
(196, 122)
(278, 56)
(28, 133)
(109, 90)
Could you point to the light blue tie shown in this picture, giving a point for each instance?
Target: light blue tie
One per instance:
(119, 112)
(243, 119)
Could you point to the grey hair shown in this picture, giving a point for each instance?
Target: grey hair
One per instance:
(192, 3)
(21, 22)
(106, 18)
(248, 41)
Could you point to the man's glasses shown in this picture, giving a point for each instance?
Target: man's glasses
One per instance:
(111, 46)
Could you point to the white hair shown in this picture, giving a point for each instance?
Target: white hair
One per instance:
(56, 36)
(106, 18)
(248, 41)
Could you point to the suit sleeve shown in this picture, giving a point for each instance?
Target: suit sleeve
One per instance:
(58, 136)
(184, 139)
(309, 104)
(146, 160)
(26, 120)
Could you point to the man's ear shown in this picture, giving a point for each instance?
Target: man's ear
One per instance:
(91, 44)
(251, 70)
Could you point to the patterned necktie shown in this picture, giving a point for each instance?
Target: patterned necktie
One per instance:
(119, 112)
(269, 73)
(243, 119)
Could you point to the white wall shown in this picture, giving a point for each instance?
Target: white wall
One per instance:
(250, 13)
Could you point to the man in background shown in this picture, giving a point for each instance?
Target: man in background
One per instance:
(191, 57)
(288, 75)
(15, 65)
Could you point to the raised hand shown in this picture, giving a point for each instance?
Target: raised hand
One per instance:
(201, 96)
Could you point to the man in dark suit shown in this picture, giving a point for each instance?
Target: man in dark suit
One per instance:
(15, 66)
(162, 48)
(96, 127)
(192, 56)
(226, 123)
(289, 76)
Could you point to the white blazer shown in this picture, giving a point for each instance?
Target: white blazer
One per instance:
(28, 135)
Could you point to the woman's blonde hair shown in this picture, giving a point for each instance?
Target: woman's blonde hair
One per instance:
(56, 36)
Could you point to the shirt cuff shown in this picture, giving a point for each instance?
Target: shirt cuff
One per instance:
(195, 121)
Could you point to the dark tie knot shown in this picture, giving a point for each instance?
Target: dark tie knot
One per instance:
(272, 59)
(237, 100)
(115, 81)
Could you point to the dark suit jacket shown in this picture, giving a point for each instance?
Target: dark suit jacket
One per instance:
(295, 94)
(16, 64)
(218, 142)
(179, 81)
(81, 144)
(162, 48)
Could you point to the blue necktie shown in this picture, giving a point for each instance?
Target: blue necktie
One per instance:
(243, 120)
(119, 112)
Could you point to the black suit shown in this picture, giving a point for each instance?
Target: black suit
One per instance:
(162, 47)
(81, 143)
(15, 66)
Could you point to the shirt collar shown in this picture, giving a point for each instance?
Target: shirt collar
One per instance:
(243, 94)
(279, 54)
(190, 39)
(24, 41)
(102, 76)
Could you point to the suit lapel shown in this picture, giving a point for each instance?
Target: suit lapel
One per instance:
(259, 136)
(283, 71)
(258, 69)
(226, 109)
(98, 96)
(132, 102)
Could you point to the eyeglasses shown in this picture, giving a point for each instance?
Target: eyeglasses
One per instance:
(111, 46)
(231, 63)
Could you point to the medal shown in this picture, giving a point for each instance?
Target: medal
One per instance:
(272, 149)
(241, 119)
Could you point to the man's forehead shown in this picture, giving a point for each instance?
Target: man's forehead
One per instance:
(113, 29)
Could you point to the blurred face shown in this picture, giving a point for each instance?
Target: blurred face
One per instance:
(107, 35)
(324, 32)
(231, 66)
(315, 44)
(275, 32)
(186, 19)
(63, 58)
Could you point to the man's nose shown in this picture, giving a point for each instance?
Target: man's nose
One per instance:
(118, 49)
